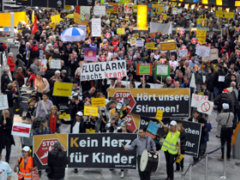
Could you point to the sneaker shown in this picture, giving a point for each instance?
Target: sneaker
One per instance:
(122, 175)
(220, 159)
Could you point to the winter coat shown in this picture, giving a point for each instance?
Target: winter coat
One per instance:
(5, 133)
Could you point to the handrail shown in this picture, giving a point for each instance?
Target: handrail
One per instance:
(194, 163)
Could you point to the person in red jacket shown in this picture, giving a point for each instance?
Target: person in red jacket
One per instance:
(11, 62)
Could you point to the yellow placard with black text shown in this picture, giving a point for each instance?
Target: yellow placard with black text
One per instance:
(98, 101)
(91, 111)
(201, 36)
(159, 115)
(150, 45)
(167, 46)
(62, 89)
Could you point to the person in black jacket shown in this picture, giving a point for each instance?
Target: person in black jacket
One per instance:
(77, 124)
(225, 97)
(6, 140)
(57, 161)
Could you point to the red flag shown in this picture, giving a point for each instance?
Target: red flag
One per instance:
(35, 26)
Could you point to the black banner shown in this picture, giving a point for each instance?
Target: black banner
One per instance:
(193, 133)
(103, 150)
(23, 2)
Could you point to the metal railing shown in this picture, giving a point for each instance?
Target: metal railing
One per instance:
(206, 156)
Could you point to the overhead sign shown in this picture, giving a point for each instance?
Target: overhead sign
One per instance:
(144, 69)
(167, 46)
(42, 144)
(21, 129)
(3, 102)
(62, 89)
(162, 70)
(103, 70)
(173, 102)
(104, 150)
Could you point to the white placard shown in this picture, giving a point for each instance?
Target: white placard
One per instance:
(196, 99)
(21, 129)
(139, 43)
(99, 10)
(174, 11)
(103, 70)
(203, 51)
(55, 64)
(3, 102)
(84, 13)
(162, 69)
(183, 52)
(205, 107)
(96, 27)
(213, 55)
(221, 78)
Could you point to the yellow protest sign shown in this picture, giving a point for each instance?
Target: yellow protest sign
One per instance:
(159, 115)
(120, 31)
(167, 46)
(64, 116)
(219, 13)
(134, 8)
(56, 19)
(62, 89)
(18, 16)
(136, 35)
(150, 45)
(98, 101)
(90, 111)
(76, 18)
(132, 41)
(201, 36)
(142, 17)
(229, 15)
(164, 17)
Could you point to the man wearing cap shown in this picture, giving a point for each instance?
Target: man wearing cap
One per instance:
(5, 170)
(225, 121)
(25, 165)
(171, 147)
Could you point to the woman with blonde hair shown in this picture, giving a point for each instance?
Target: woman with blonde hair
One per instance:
(53, 120)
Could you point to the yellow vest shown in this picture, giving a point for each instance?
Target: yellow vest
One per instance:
(170, 143)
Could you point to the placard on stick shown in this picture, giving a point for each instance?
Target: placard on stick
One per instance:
(3, 102)
(98, 101)
(91, 111)
(162, 70)
(144, 69)
(159, 115)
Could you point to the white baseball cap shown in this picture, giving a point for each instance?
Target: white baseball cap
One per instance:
(26, 148)
(79, 113)
(173, 123)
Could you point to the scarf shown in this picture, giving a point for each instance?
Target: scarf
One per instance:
(53, 123)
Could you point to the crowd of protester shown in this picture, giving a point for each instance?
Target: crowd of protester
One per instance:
(44, 109)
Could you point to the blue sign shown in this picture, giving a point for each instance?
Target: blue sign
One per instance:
(6, 29)
(152, 128)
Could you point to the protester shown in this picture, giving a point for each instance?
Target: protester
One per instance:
(25, 165)
(57, 161)
(5, 170)
(225, 121)
(141, 143)
(6, 140)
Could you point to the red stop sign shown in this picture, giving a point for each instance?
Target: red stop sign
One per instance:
(194, 40)
(119, 95)
(130, 123)
(42, 151)
(108, 35)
